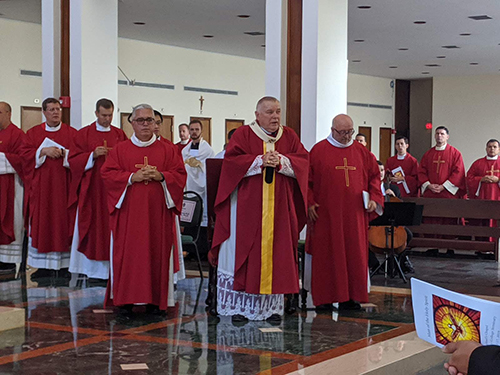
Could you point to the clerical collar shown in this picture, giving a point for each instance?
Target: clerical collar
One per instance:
(272, 134)
(136, 141)
(492, 157)
(336, 143)
(442, 148)
(185, 142)
(401, 157)
(53, 129)
(101, 128)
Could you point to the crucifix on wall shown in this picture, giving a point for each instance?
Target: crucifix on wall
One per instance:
(201, 104)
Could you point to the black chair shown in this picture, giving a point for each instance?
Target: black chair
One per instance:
(191, 217)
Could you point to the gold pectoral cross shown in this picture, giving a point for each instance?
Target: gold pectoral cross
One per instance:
(346, 169)
(438, 162)
(492, 171)
(145, 165)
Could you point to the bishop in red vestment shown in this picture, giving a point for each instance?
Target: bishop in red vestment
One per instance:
(45, 154)
(91, 236)
(144, 180)
(402, 169)
(341, 171)
(11, 190)
(260, 210)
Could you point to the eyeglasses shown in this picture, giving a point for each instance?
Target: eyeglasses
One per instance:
(54, 110)
(344, 133)
(142, 121)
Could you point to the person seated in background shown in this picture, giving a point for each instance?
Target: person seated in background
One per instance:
(221, 154)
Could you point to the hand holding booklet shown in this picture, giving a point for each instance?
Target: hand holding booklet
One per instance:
(442, 316)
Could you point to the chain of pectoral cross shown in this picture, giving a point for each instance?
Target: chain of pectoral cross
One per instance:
(145, 165)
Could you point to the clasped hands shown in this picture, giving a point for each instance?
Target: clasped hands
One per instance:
(52, 152)
(147, 173)
(490, 179)
(271, 159)
(435, 188)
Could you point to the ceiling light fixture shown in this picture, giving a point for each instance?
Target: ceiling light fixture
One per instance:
(254, 33)
(451, 47)
(480, 18)
(402, 49)
(465, 34)
(474, 63)
(356, 61)
(420, 22)
(359, 40)
(393, 67)
(425, 73)
(364, 7)
(440, 57)
(433, 65)
(208, 36)
(243, 16)
(139, 23)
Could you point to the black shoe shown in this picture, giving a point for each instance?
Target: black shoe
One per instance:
(274, 319)
(349, 305)
(239, 319)
(63, 273)
(290, 304)
(324, 307)
(153, 309)
(432, 252)
(126, 309)
(41, 273)
(7, 267)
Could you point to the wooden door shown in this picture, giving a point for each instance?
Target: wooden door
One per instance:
(166, 129)
(385, 144)
(30, 116)
(367, 131)
(233, 124)
(206, 132)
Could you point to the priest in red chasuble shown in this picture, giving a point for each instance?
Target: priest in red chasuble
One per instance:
(260, 209)
(11, 190)
(47, 167)
(402, 169)
(144, 180)
(91, 233)
(344, 187)
(483, 175)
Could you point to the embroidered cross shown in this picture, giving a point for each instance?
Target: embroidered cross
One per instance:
(439, 162)
(145, 165)
(492, 171)
(346, 169)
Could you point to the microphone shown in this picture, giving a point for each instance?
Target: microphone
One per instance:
(269, 175)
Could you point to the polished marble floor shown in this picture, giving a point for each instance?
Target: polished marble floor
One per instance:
(68, 332)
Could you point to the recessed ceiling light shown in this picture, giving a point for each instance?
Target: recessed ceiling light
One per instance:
(480, 18)
(208, 36)
(474, 63)
(364, 7)
(243, 16)
(359, 40)
(425, 72)
(140, 23)
(432, 65)
(356, 61)
(420, 22)
(465, 34)
(402, 49)
(451, 47)
(393, 67)
(254, 33)
(440, 57)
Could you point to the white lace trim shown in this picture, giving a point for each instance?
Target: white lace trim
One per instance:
(286, 167)
(252, 306)
(255, 168)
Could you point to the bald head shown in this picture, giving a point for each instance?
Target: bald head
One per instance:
(342, 128)
(5, 115)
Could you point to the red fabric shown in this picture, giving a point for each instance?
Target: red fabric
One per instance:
(410, 167)
(290, 210)
(11, 140)
(452, 169)
(49, 191)
(476, 172)
(87, 191)
(180, 146)
(338, 240)
(142, 228)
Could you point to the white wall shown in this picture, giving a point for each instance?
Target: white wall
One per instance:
(148, 62)
(20, 48)
(371, 90)
(470, 108)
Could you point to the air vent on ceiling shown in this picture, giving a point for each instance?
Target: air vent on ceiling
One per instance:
(451, 47)
(480, 18)
(210, 91)
(254, 33)
(31, 73)
(146, 84)
(369, 105)
(433, 65)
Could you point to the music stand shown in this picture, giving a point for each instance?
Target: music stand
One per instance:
(397, 214)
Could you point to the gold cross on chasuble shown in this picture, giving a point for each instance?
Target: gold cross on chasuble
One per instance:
(438, 162)
(346, 169)
(145, 165)
(105, 145)
(492, 171)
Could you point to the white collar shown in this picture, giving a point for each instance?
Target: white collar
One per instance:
(442, 148)
(401, 157)
(491, 157)
(136, 141)
(336, 143)
(185, 142)
(101, 128)
(53, 129)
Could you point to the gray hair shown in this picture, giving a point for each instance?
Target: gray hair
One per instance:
(140, 106)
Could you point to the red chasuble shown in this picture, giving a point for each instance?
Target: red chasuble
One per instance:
(49, 191)
(269, 216)
(338, 240)
(142, 226)
(88, 190)
(180, 146)
(409, 165)
(11, 140)
(480, 168)
(437, 167)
